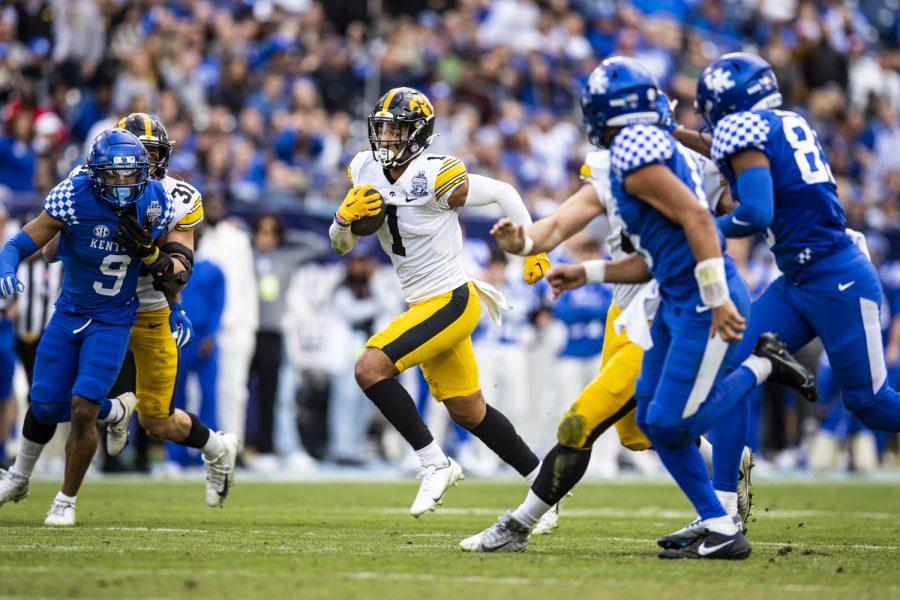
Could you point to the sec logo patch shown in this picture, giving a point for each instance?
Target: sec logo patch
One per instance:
(101, 231)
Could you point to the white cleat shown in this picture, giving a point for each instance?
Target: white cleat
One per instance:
(220, 471)
(117, 433)
(435, 482)
(506, 535)
(13, 487)
(61, 514)
(745, 486)
(550, 520)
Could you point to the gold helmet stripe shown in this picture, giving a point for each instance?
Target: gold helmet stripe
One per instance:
(387, 102)
(121, 123)
(148, 126)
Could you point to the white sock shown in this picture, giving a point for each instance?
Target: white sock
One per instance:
(724, 525)
(759, 366)
(29, 453)
(432, 455)
(214, 447)
(706, 451)
(729, 501)
(115, 413)
(530, 511)
(533, 475)
(63, 498)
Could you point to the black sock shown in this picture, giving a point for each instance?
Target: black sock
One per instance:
(35, 431)
(499, 435)
(198, 435)
(563, 467)
(398, 408)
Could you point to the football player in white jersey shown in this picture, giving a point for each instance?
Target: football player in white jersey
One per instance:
(419, 196)
(163, 327)
(609, 399)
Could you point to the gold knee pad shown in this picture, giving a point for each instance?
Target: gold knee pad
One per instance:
(570, 432)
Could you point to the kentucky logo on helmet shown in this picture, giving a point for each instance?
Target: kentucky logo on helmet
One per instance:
(598, 82)
(718, 80)
(154, 212)
(420, 184)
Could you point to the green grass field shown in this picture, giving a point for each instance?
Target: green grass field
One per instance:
(336, 540)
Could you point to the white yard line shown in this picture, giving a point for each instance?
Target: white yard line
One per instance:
(580, 513)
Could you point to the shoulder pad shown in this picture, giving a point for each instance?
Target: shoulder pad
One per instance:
(450, 174)
(60, 202)
(79, 170)
(356, 165)
(739, 131)
(637, 146)
(596, 165)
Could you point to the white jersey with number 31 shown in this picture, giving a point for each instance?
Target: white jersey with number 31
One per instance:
(421, 232)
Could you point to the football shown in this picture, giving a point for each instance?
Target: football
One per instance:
(368, 225)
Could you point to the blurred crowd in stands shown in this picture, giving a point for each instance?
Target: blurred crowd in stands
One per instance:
(267, 99)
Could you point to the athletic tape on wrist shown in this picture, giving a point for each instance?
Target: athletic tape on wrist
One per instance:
(594, 270)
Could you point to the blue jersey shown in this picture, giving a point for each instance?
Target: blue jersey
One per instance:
(658, 240)
(809, 221)
(100, 276)
(584, 311)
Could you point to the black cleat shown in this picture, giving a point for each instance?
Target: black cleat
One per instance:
(712, 545)
(785, 368)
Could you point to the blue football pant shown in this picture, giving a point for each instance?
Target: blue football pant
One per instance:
(75, 357)
(837, 299)
(683, 391)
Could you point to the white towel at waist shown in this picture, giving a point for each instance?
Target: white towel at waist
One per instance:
(493, 299)
(635, 318)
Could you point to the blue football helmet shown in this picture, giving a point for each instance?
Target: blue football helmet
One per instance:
(664, 107)
(736, 82)
(118, 167)
(619, 92)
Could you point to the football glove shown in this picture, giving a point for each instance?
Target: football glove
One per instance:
(361, 201)
(133, 235)
(10, 284)
(536, 266)
(182, 329)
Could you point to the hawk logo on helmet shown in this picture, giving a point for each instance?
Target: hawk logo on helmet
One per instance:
(718, 80)
(598, 82)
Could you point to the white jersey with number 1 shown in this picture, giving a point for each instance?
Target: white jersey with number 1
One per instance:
(421, 232)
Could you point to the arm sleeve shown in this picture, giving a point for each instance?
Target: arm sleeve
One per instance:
(757, 207)
(15, 250)
(484, 191)
(343, 240)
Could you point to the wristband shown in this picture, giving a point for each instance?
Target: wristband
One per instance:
(527, 247)
(710, 276)
(340, 222)
(594, 270)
